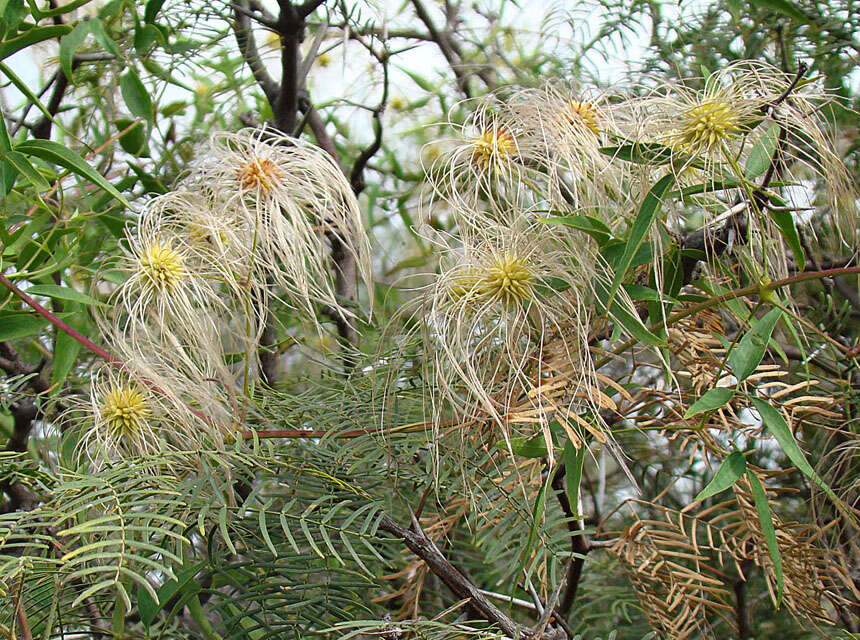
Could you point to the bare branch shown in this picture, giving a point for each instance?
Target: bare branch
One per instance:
(578, 542)
(444, 43)
(356, 176)
(247, 47)
(306, 9)
(422, 546)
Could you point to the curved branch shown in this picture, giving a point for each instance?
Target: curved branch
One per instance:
(245, 39)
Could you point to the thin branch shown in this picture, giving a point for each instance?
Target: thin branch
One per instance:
(356, 176)
(578, 543)
(291, 28)
(256, 13)
(306, 9)
(248, 48)
(422, 546)
(444, 43)
(42, 128)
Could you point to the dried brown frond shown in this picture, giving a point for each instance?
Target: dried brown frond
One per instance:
(811, 579)
(681, 594)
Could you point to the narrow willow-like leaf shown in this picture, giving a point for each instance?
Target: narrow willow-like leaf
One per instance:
(573, 460)
(537, 518)
(787, 228)
(264, 530)
(595, 228)
(761, 153)
(777, 425)
(748, 353)
(766, 521)
(710, 400)
(55, 153)
(20, 325)
(638, 232)
(730, 470)
(222, 525)
(786, 8)
(306, 530)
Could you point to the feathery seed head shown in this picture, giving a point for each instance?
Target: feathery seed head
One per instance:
(160, 267)
(507, 279)
(707, 125)
(494, 148)
(124, 410)
(258, 173)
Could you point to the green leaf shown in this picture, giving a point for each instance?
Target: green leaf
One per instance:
(135, 95)
(151, 10)
(533, 447)
(134, 140)
(785, 222)
(66, 351)
(734, 7)
(778, 427)
(420, 80)
(592, 226)
(55, 153)
(785, 8)
(5, 140)
(32, 97)
(672, 268)
(573, 459)
(639, 292)
(638, 232)
(98, 31)
(145, 36)
(31, 37)
(58, 292)
(70, 43)
(537, 517)
(25, 168)
(198, 614)
(762, 153)
(629, 320)
(183, 583)
(748, 353)
(730, 470)
(766, 521)
(712, 399)
(8, 176)
(222, 525)
(20, 325)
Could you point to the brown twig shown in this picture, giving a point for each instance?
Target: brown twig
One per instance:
(422, 546)
(578, 543)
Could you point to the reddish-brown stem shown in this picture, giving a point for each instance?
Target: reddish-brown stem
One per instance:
(62, 326)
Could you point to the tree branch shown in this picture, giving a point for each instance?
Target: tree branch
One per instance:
(356, 176)
(578, 543)
(422, 546)
(444, 43)
(247, 47)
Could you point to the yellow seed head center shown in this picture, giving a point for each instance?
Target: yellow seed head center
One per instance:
(161, 266)
(707, 125)
(493, 149)
(582, 114)
(124, 410)
(508, 280)
(259, 174)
